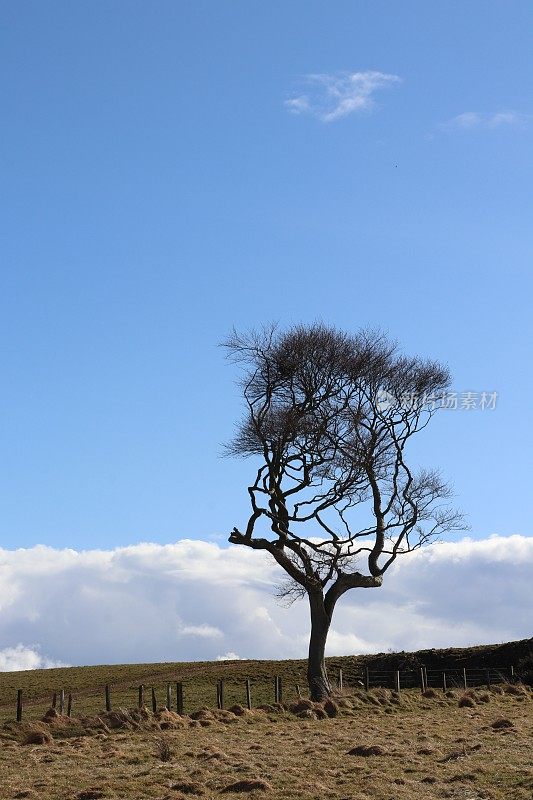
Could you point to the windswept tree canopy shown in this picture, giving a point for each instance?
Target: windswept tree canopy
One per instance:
(328, 416)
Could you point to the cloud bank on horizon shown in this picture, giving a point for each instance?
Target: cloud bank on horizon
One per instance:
(195, 600)
(331, 96)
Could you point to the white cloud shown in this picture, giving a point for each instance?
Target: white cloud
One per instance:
(332, 96)
(340, 643)
(13, 659)
(231, 656)
(203, 631)
(470, 120)
(195, 600)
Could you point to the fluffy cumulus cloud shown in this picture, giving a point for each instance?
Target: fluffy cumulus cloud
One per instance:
(475, 120)
(331, 96)
(198, 600)
(231, 656)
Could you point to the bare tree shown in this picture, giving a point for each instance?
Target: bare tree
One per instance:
(328, 417)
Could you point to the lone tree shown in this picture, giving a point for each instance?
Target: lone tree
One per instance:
(328, 416)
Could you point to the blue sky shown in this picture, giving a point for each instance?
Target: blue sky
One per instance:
(158, 188)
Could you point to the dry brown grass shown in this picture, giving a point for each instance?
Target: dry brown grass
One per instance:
(368, 747)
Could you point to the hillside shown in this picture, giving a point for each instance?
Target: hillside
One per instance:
(199, 678)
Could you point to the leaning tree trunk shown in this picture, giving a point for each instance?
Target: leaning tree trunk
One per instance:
(317, 677)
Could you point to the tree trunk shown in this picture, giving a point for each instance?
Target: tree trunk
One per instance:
(317, 677)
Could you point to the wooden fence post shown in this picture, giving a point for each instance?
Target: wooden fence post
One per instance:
(465, 682)
(248, 694)
(19, 705)
(69, 706)
(62, 702)
(169, 697)
(107, 697)
(426, 684)
(367, 679)
(340, 680)
(179, 697)
(512, 673)
(444, 686)
(220, 694)
(298, 691)
(140, 702)
(397, 680)
(422, 680)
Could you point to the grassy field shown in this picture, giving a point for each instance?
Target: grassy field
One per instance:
(199, 678)
(199, 684)
(365, 746)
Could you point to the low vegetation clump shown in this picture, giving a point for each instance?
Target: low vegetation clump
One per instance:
(502, 723)
(367, 750)
(252, 785)
(466, 701)
(164, 749)
(36, 735)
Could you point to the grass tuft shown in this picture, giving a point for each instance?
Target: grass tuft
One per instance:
(255, 785)
(163, 749)
(366, 750)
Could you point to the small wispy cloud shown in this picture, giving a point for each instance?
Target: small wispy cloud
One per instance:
(471, 120)
(203, 631)
(331, 96)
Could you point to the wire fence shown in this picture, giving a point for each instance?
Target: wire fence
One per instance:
(423, 678)
(183, 697)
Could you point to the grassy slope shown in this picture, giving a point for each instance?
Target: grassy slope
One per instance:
(199, 678)
(428, 749)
